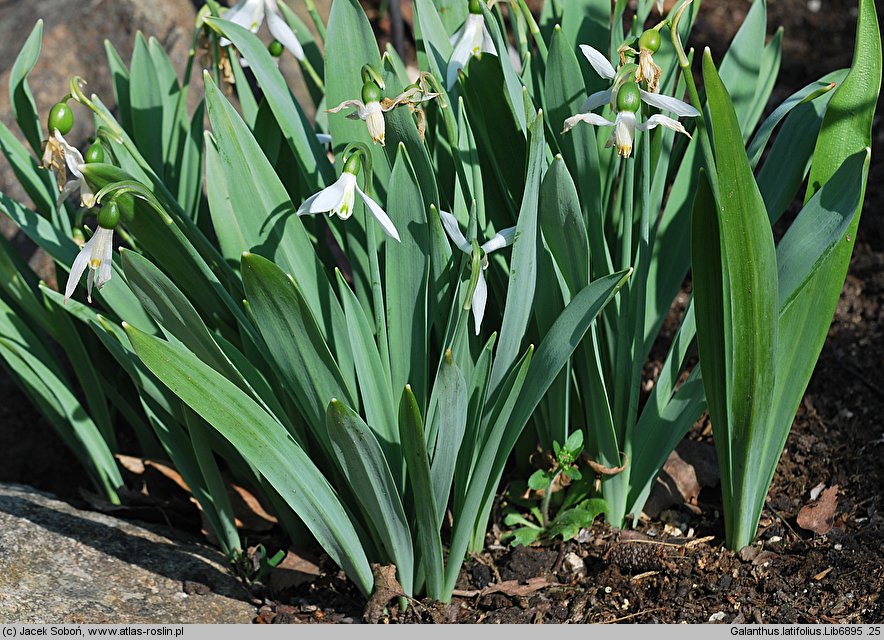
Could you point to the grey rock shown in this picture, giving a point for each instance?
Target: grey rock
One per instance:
(59, 564)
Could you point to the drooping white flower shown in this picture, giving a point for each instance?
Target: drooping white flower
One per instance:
(625, 126)
(470, 40)
(57, 148)
(97, 256)
(500, 240)
(339, 199)
(251, 13)
(606, 70)
(372, 113)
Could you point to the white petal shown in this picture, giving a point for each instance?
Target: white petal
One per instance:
(247, 13)
(90, 277)
(624, 133)
(380, 215)
(328, 198)
(452, 228)
(668, 103)
(454, 39)
(662, 120)
(487, 42)
(590, 118)
(480, 299)
(81, 263)
(280, 30)
(374, 121)
(72, 156)
(323, 138)
(462, 50)
(597, 100)
(358, 105)
(599, 61)
(501, 239)
(71, 186)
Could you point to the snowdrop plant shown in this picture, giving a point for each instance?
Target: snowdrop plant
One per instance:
(334, 370)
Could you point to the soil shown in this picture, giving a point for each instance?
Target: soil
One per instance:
(677, 571)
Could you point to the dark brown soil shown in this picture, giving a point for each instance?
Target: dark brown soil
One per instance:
(789, 575)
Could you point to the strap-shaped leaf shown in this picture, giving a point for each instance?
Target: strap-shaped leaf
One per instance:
(368, 474)
(745, 317)
(373, 377)
(294, 340)
(447, 420)
(414, 449)
(23, 106)
(523, 266)
(407, 271)
(291, 118)
(264, 443)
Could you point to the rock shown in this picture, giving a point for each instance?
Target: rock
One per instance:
(62, 565)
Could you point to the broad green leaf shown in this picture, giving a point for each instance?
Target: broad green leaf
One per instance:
(446, 420)
(120, 78)
(523, 266)
(38, 183)
(146, 97)
(429, 544)
(294, 340)
(372, 376)
(263, 442)
(368, 474)
(741, 66)
(23, 106)
(564, 94)
(407, 269)
(748, 320)
(563, 227)
(291, 118)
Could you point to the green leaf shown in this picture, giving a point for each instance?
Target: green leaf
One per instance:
(569, 523)
(264, 443)
(563, 227)
(447, 420)
(23, 106)
(294, 341)
(300, 136)
(748, 320)
(564, 94)
(120, 78)
(372, 376)
(741, 66)
(407, 269)
(411, 433)
(523, 266)
(368, 474)
(146, 97)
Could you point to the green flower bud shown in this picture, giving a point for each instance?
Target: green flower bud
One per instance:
(95, 153)
(629, 98)
(109, 216)
(353, 164)
(275, 48)
(476, 7)
(62, 118)
(79, 236)
(371, 92)
(650, 40)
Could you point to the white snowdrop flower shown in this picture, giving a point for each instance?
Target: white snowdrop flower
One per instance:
(96, 255)
(57, 148)
(339, 199)
(470, 40)
(500, 240)
(250, 14)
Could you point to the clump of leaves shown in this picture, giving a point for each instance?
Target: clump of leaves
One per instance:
(561, 487)
(255, 564)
